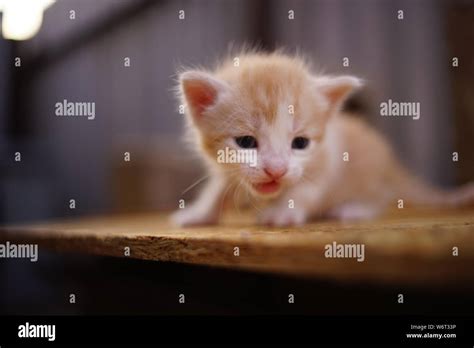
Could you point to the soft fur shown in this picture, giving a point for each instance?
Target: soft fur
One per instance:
(252, 99)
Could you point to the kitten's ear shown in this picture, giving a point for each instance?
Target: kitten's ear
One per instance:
(201, 90)
(337, 89)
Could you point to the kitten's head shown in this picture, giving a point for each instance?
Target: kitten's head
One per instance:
(270, 104)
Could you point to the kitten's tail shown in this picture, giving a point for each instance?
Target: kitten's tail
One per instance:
(416, 191)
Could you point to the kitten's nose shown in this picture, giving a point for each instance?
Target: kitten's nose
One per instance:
(275, 172)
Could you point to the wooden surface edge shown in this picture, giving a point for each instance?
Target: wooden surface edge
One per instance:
(377, 269)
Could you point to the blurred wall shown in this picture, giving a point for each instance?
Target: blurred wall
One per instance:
(83, 60)
(4, 88)
(135, 106)
(460, 19)
(402, 60)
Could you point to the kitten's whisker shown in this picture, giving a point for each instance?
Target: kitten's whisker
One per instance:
(197, 182)
(223, 198)
(235, 195)
(308, 179)
(250, 198)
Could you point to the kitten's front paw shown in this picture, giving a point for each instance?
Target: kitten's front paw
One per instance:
(192, 217)
(282, 216)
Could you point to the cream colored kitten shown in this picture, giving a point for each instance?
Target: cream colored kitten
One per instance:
(312, 159)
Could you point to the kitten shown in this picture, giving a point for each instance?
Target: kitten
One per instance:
(309, 153)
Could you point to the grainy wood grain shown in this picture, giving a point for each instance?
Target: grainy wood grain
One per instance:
(404, 247)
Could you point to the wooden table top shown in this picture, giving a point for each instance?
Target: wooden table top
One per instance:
(402, 247)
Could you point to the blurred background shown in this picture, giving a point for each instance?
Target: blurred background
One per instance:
(79, 50)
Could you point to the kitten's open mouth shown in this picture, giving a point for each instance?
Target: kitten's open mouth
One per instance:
(267, 187)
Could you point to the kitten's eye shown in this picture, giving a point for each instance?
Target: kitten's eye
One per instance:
(300, 143)
(246, 142)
